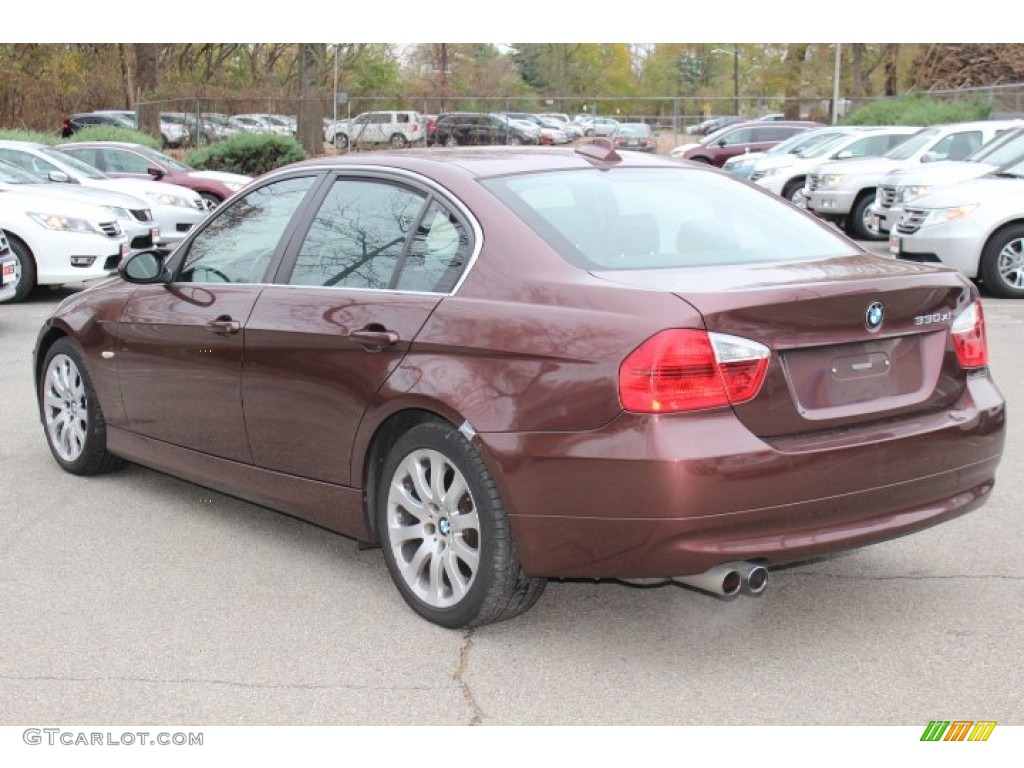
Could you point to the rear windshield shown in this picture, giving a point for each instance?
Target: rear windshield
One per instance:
(654, 218)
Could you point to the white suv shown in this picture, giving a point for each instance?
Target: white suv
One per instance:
(976, 226)
(786, 175)
(397, 129)
(844, 191)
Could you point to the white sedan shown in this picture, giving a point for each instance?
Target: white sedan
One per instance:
(176, 209)
(134, 215)
(7, 267)
(56, 241)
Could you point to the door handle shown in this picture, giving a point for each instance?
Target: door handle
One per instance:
(374, 341)
(224, 324)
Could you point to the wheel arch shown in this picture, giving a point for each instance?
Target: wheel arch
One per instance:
(983, 268)
(379, 446)
(862, 194)
(1013, 221)
(47, 339)
(14, 236)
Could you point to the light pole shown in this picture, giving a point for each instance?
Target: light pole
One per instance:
(835, 85)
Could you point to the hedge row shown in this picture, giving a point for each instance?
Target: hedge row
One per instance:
(920, 109)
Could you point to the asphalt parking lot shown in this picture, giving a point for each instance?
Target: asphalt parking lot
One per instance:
(139, 598)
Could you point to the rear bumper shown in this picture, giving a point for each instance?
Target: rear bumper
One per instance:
(648, 497)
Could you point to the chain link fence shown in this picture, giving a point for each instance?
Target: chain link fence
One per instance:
(670, 115)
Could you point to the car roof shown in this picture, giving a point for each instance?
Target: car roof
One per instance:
(15, 144)
(102, 145)
(485, 161)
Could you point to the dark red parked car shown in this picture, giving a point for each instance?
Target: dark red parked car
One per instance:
(757, 136)
(504, 364)
(137, 161)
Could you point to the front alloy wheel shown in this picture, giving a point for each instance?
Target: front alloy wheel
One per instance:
(445, 534)
(65, 408)
(71, 414)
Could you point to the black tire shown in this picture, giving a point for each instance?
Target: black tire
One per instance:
(793, 191)
(432, 561)
(451, 141)
(398, 141)
(1002, 263)
(589, 132)
(857, 224)
(24, 268)
(341, 141)
(77, 442)
(699, 159)
(514, 140)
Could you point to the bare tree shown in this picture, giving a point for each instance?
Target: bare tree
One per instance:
(312, 58)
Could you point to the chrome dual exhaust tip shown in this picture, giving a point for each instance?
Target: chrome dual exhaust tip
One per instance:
(729, 579)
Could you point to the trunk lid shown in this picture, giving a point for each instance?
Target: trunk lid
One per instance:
(828, 369)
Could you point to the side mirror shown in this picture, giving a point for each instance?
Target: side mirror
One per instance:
(844, 155)
(156, 173)
(721, 142)
(60, 177)
(929, 157)
(144, 267)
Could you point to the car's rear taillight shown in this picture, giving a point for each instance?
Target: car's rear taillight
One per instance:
(968, 333)
(685, 370)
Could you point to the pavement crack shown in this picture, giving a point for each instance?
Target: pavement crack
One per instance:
(200, 681)
(460, 677)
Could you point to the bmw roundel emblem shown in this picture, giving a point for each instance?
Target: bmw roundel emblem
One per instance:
(874, 317)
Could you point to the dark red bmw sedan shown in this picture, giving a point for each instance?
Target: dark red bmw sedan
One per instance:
(509, 364)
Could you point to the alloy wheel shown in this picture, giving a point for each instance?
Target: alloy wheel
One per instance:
(66, 408)
(433, 528)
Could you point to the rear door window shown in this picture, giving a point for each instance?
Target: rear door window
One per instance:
(358, 235)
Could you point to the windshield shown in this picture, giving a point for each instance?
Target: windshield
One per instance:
(12, 174)
(911, 146)
(1005, 149)
(67, 162)
(633, 129)
(711, 138)
(654, 218)
(797, 141)
(1015, 168)
(825, 145)
(169, 161)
